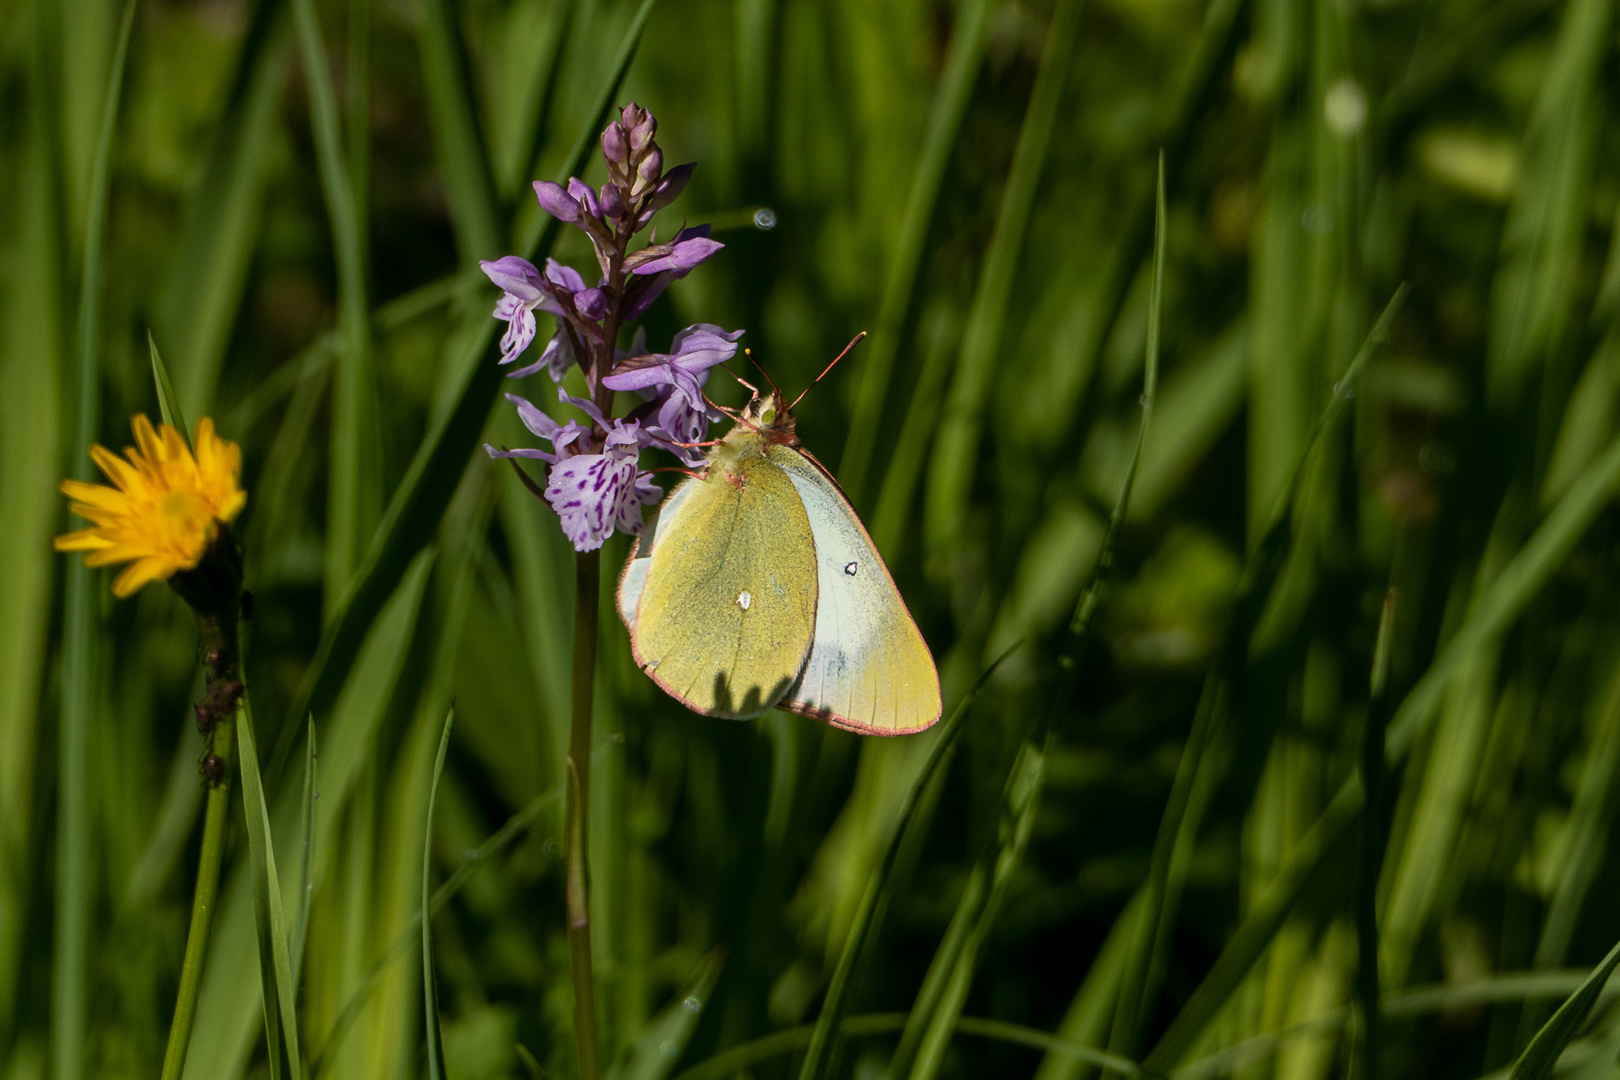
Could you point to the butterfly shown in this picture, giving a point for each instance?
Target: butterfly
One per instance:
(757, 587)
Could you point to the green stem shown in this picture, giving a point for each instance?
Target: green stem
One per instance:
(213, 589)
(586, 602)
(202, 911)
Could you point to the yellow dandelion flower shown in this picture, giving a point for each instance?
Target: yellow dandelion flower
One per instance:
(166, 506)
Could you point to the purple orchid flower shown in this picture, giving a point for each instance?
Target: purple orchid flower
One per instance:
(595, 485)
(647, 286)
(685, 368)
(675, 380)
(525, 290)
(562, 437)
(596, 494)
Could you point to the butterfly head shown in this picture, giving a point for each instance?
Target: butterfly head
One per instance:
(771, 417)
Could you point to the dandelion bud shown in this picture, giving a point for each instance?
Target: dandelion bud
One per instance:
(215, 660)
(228, 693)
(206, 717)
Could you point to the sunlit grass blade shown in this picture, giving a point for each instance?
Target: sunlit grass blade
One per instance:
(1183, 812)
(956, 84)
(306, 865)
(70, 960)
(956, 446)
(168, 401)
(430, 981)
(1540, 1057)
(654, 1052)
(818, 1059)
(420, 500)
(275, 968)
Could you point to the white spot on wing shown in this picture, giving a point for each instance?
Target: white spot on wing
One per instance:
(744, 599)
(850, 568)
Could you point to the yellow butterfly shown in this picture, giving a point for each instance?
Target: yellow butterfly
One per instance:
(758, 588)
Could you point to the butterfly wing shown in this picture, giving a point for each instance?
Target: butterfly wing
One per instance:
(721, 601)
(869, 669)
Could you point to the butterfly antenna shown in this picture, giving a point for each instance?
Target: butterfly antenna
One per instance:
(829, 367)
(774, 388)
(736, 416)
(751, 387)
(677, 468)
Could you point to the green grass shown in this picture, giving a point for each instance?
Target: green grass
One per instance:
(1139, 843)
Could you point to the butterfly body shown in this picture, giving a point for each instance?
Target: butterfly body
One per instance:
(758, 587)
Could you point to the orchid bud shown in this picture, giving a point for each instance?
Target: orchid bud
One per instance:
(650, 169)
(614, 147)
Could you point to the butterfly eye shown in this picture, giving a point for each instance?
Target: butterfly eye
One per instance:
(767, 416)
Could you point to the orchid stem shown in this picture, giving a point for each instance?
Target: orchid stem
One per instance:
(218, 633)
(586, 603)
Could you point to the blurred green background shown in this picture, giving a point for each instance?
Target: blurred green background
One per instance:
(972, 183)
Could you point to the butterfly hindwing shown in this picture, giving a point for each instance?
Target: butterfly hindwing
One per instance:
(869, 669)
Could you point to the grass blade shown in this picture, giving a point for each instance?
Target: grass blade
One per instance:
(1024, 783)
(423, 494)
(956, 446)
(275, 968)
(71, 946)
(219, 227)
(353, 493)
(1184, 809)
(1507, 596)
(818, 1058)
(653, 1054)
(962, 66)
(168, 401)
(462, 154)
(306, 867)
(1538, 1059)
(430, 982)
(738, 1059)
(1518, 583)
(1254, 935)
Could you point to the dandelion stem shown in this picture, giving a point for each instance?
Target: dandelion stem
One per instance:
(586, 602)
(220, 650)
(202, 914)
